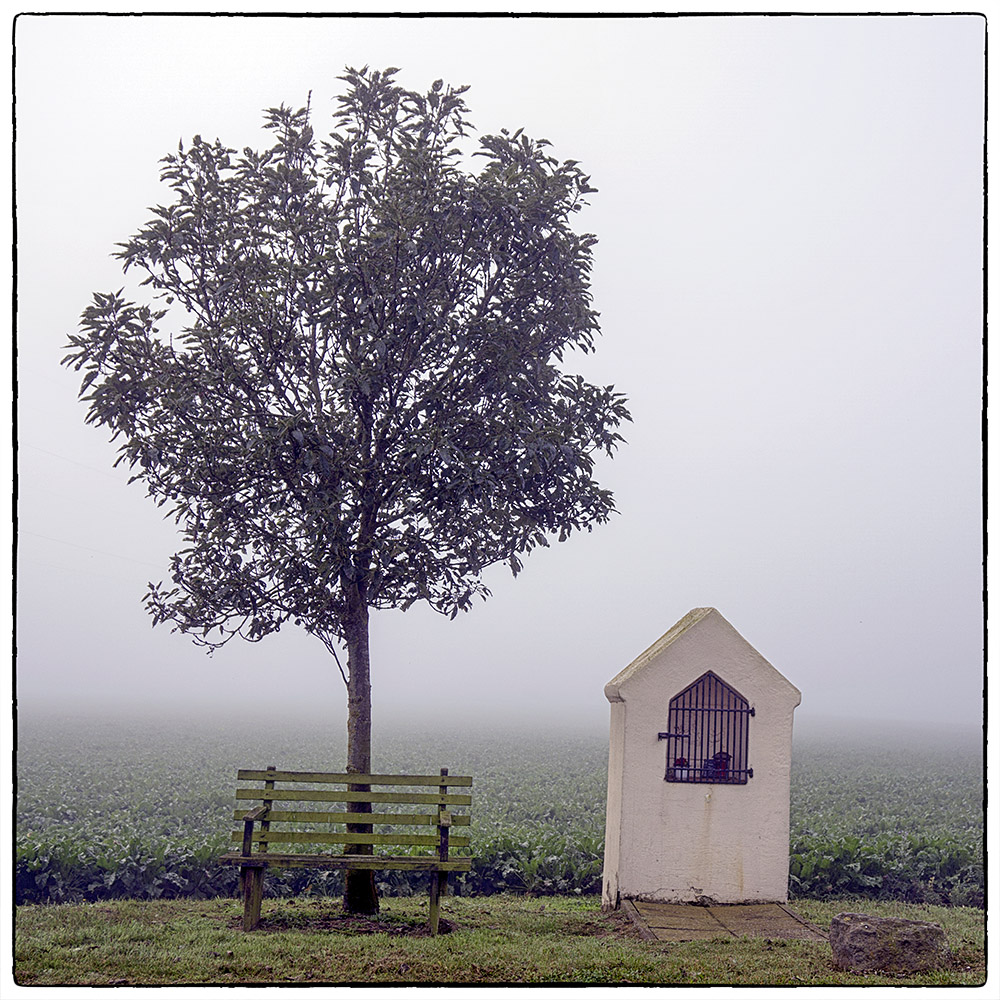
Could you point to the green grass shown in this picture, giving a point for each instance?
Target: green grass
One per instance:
(496, 939)
(121, 821)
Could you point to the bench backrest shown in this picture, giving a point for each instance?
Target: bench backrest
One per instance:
(295, 808)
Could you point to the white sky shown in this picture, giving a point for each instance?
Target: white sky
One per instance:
(789, 273)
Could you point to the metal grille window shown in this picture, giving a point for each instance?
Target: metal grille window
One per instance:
(707, 736)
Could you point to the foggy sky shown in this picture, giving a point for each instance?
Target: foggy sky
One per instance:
(789, 275)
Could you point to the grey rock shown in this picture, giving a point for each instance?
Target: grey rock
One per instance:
(863, 943)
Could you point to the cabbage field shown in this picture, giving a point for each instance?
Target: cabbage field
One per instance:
(129, 807)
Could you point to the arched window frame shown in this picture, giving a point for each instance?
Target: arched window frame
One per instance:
(708, 734)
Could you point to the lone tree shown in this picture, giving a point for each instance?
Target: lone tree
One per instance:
(363, 408)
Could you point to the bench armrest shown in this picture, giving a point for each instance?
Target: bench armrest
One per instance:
(248, 821)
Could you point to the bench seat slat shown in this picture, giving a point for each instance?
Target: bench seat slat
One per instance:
(397, 819)
(319, 777)
(319, 795)
(398, 839)
(372, 862)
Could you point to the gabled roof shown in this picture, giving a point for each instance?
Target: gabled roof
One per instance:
(690, 621)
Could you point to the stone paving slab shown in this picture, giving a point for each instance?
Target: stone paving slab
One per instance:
(688, 922)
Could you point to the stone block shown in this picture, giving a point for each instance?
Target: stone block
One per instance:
(863, 943)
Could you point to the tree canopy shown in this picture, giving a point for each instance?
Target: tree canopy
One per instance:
(363, 406)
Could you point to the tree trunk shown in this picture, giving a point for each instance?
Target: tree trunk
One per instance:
(360, 895)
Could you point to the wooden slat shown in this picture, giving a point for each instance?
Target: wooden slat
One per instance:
(297, 837)
(321, 777)
(367, 862)
(315, 795)
(398, 819)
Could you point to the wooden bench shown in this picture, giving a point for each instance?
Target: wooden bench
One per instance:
(299, 809)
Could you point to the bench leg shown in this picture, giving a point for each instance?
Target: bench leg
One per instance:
(253, 890)
(439, 888)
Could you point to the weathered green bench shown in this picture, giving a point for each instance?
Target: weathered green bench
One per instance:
(299, 809)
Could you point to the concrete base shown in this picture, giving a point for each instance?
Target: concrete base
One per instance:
(686, 922)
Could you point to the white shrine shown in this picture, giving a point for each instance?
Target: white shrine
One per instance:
(699, 770)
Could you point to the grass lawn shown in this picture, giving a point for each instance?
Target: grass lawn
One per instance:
(495, 939)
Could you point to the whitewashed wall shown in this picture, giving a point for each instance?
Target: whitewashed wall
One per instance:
(678, 842)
